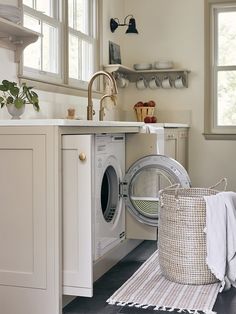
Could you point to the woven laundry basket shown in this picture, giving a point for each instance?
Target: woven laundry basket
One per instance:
(181, 236)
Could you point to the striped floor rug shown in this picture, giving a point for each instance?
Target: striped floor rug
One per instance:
(147, 288)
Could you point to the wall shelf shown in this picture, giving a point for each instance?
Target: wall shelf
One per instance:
(134, 75)
(16, 37)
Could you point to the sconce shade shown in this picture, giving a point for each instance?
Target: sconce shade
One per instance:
(114, 23)
(132, 27)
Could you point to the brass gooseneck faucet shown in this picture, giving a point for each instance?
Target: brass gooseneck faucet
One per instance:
(114, 92)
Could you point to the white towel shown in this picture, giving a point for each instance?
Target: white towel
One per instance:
(152, 128)
(221, 237)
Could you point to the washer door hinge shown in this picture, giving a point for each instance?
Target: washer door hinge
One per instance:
(123, 189)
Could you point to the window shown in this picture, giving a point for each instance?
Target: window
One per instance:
(221, 67)
(65, 53)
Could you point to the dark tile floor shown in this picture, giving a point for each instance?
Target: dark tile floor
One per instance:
(112, 280)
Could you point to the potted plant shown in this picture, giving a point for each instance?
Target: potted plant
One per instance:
(15, 97)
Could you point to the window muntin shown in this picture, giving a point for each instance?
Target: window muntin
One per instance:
(223, 67)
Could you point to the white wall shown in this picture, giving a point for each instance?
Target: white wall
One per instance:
(111, 9)
(174, 30)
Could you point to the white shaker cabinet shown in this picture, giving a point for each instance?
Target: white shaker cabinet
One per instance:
(77, 220)
(176, 144)
(29, 238)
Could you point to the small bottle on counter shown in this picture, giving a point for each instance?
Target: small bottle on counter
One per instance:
(70, 113)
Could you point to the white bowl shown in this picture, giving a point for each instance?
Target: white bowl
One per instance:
(163, 64)
(142, 66)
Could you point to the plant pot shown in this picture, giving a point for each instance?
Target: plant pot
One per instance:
(15, 112)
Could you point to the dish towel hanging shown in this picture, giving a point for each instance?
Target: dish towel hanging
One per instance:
(221, 237)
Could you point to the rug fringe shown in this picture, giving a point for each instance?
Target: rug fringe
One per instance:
(158, 307)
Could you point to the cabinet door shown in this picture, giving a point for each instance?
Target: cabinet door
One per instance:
(171, 143)
(29, 256)
(77, 206)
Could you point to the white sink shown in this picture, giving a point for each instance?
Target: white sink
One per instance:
(68, 122)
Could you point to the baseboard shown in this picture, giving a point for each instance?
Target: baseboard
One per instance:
(107, 261)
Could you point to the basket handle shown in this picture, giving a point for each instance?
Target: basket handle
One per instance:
(175, 186)
(218, 183)
(170, 187)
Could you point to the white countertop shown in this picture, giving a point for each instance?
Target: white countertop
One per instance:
(68, 122)
(86, 123)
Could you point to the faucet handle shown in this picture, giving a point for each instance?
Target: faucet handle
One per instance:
(114, 99)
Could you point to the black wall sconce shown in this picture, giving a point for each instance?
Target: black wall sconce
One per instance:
(114, 23)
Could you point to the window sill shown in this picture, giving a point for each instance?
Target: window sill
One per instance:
(59, 88)
(219, 136)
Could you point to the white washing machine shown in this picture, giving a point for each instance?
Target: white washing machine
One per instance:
(109, 213)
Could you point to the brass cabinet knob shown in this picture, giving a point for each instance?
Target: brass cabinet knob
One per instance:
(82, 156)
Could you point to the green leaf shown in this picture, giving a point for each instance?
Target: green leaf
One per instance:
(36, 106)
(6, 83)
(28, 96)
(25, 88)
(34, 94)
(18, 102)
(14, 90)
(2, 101)
(3, 88)
(10, 100)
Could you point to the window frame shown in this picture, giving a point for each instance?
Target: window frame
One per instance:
(64, 84)
(211, 129)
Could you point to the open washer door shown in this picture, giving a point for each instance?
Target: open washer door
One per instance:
(143, 181)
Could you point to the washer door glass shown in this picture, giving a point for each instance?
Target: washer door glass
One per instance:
(109, 193)
(143, 181)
